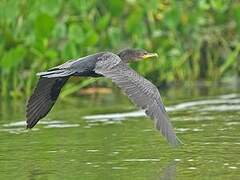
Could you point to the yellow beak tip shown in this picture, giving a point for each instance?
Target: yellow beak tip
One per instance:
(149, 55)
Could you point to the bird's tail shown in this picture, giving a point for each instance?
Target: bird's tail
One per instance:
(56, 73)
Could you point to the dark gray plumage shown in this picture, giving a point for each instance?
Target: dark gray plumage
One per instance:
(141, 91)
(114, 66)
(43, 98)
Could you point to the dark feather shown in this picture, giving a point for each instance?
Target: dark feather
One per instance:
(43, 98)
(141, 91)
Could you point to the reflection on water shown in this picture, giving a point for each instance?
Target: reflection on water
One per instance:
(169, 172)
(20, 126)
(23, 123)
(61, 125)
(230, 102)
(74, 144)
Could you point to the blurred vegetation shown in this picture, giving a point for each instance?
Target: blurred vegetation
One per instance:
(196, 40)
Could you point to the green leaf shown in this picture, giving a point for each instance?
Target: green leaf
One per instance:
(204, 5)
(60, 30)
(231, 60)
(134, 22)
(219, 5)
(103, 22)
(72, 88)
(116, 7)
(172, 18)
(44, 25)
(237, 16)
(12, 58)
(51, 7)
(75, 33)
(91, 38)
(69, 51)
(83, 5)
(9, 10)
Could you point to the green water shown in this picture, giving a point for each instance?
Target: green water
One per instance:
(73, 143)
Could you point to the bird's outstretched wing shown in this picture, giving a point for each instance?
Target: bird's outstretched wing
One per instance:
(141, 91)
(43, 98)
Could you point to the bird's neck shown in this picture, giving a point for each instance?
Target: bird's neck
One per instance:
(124, 57)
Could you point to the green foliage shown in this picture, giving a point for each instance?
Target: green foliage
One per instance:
(195, 39)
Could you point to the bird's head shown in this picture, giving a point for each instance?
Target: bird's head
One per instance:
(128, 55)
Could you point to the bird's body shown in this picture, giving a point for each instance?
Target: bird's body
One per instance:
(81, 67)
(113, 66)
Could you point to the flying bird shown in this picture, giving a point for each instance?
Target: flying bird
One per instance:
(141, 92)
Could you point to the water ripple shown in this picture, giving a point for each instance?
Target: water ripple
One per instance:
(141, 160)
(227, 102)
(61, 125)
(19, 126)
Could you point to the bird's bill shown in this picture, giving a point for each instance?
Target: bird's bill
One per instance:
(149, 55)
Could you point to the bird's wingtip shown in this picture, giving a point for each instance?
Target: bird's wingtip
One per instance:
(28, 125)
(177, 143)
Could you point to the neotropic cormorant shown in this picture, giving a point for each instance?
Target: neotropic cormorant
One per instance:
(113, 66)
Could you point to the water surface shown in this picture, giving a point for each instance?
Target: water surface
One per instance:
(104, 137)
